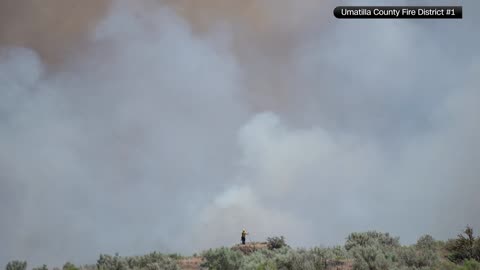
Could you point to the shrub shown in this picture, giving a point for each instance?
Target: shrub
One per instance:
(446, 265)
(415, 258)
(465, 247)
(152, 261)
(16, 265)
(276, 242)
(407, 256)
(108, 262)
(373, 257)
(43, 267)
(268, 265)
(328, 257)
(293, 259)
(259, 260)
(371, 238)
(69, 266)
(426, 242)
(339, 253)
(87, 267)
(222, 259)
(304, 260)
(155, 261)
(470, 265)
(426, 252)
(476, 249)
(466, 265)
(175, 256)
(168, 264)
(373, 250)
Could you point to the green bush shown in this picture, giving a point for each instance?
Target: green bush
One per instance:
(268, 265)
(378, 251)
(87, 267)
(222, 259)
(426, 242)
(339, 253)
(328, 257)
(447, 265)
(466, 265)
(152, 261)
(43, 267)
(373, 250)
(260, 260)
(288, 259)
(276, 242)
(426, 252)
(470, 265)
(464, 247)
(304, 259)
(415, 258)
(69, 266)
(370, 238)
(16, 265)
(296, 259)
(108, 262)
(293, 259)
(373, 257)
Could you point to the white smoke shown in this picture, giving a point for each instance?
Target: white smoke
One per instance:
(147, 138)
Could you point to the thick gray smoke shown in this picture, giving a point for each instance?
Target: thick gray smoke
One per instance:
(169, 131)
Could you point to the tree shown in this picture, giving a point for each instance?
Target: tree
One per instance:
(276, 242)
(464, 247)
(16, 265)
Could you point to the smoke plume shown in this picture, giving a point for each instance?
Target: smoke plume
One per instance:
(133, 126)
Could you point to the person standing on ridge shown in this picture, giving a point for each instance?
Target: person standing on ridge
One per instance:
(244, 235)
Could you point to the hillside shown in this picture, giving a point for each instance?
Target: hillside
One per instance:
(370, 250)
(195, 262)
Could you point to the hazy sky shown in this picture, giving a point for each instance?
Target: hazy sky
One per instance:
(133, 126)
